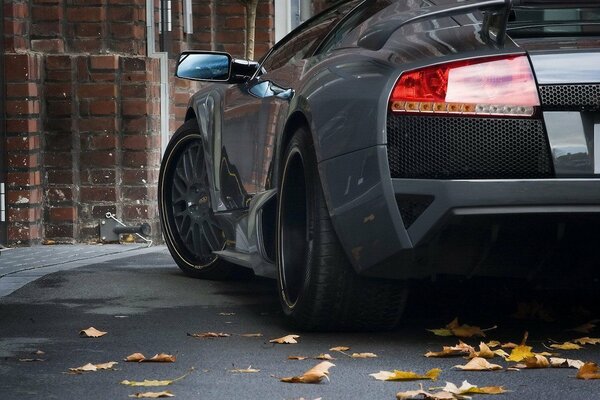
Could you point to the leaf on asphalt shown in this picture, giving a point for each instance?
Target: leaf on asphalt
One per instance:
(557, 362)
(298, 358)
(288, 339)
(537, 361)
(422, 394)
(251, 334)
(586, 340)
(91, 332)
(248, 370)
(460, 349)
(226, 314)
(397, 375)
(364, 355)
(478, 364)
(463, 331)
(467, 388)
(324, 357)
(589, 370)
(135, 357)
(484, 352)
(585, 328)
(313, 375)
(203, 335)
(89, 367)
(152, 383)
(162, 357)
(566, 346)
(38, 353)
(152, 395)
(493, 343)
(31, 359)
(339, 348)
(521, 352)
(509, 345)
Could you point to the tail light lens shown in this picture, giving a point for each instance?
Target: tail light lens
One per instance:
(487, 87)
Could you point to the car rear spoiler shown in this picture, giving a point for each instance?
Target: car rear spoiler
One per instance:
(493, 30)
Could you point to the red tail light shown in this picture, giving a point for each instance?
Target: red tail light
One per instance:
(487, 87)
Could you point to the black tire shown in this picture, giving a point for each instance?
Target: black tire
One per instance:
(190, 229)
(318, 287)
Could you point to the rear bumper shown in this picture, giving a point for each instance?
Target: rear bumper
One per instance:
(380, 240)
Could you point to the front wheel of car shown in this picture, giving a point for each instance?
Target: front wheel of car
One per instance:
(318, 288)
(190, 229)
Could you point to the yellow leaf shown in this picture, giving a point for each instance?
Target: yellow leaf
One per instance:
(565, 362)
(364, 355)
(248, 370)
(413, 394)
(339, 348)
(478, 364)
(162, 357)
(203, 335)
(464, 331)
(586, 340)
(466, 388)
(501, 353)
(537, 361)
(449, 351)
(89, 367)
(151, 383)
(520, 353)
(566, 346)
(589, 370)
(288, 339)
(152, 395)
(441, 332)
(91, 332)
(484, 352)
(397, 375)
(297, 358)
(313, 375)
(324, 357)
(135, 357)
(493, 343)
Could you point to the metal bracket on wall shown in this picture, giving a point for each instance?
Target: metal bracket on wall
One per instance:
(111, 229)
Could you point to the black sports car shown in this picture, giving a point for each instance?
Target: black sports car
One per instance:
(383, 141)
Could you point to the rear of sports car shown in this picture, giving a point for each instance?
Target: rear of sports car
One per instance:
(494, 158)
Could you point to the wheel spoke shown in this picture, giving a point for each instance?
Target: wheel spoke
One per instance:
(209, 233)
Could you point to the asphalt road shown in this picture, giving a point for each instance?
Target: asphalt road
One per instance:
(146, 305)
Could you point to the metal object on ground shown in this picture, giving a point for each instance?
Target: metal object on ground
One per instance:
(112, 228)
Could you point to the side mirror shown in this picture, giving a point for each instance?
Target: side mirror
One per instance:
(204, 66)
(214, 67)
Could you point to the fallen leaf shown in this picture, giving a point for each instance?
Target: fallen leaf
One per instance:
(585, 328)
(251, 334)
(364, 355)
(493, 343)
(135, 357)
(565, 362)
(151, 383)
(450, 351)
(537, 361)
(89, 367)
(248, 370)
(566, 346)
(313, 375)
(521, 352)
(226, 314)
(209, 335)
(588, 370)
(38, 353)
(413, 394)
(162, 357)
(478, 364)
(463, 331)
(397, 375)
(501, 353)
(439, 332)
(91, 332)
(324, 357)
(289, 339)
(339, 348)
(509, 345)
(297, 358)
(586, 340)
(467, 388)
(484, 352)
(31, 359)
(152, 395)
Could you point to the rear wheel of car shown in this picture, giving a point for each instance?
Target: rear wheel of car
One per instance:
(318, 288)
(190, 229)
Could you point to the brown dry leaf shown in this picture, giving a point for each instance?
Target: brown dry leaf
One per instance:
(89, 367)
(589, 370)
(288, 339)
(152, 383)
(414, 394)
(466, 388)
(509, 345)
(586, 340)
(537, 361)
(585, 328)
(449, 351)
(162, 357)
(339, 348)
(566, 346)
(463, 331)
(493, 343)
(478, 364)
(437, 332)
(203, 335)
(484, 352)
(364, 355)
(31, 359)
(91, 332)
(501, 353)
(324, 357)
(226, 314)
(135, 357)
(565, 362)
(313, 375)
(251, 334)
(152, 395)
(297, 358)
(397, 375)
(248, 370)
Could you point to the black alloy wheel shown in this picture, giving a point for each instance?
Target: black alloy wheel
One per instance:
(190, 229)
(318, 287)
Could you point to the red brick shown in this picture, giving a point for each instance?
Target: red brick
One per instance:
(135, 107)
(58, 160)
(85, 14)
(109, 61)
(22, 125)
(102, 142)
(46, 13)
(140, 193)
(46, 29)
(101, 177)
(97, 90)
(88, 29)
(100, 211)
(141, 142)
(59, 108)
(128, 31)
(84, 45)
(23, 178)
(15, 10)
(22, 107)
(59, 62)
(59, 214)
(18, 160)
(21, 67)
(61, 194)
(23, 214)
(101, 159)
(98, 124)
(140, 176)
(98, 194)
(59, 90)
(28, 89)
(140, 159)
(136, 212)
(48, 45)
(103, 107)
(24, 234)
(20, 143)
(23, 197)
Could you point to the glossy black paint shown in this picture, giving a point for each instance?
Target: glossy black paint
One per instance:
(341, 96)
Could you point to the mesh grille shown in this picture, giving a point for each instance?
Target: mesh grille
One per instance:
(467, 148)
(570, 97)
(411, 206)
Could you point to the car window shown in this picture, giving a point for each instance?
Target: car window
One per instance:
(358, 16)
(554, 22)
(302, 42)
